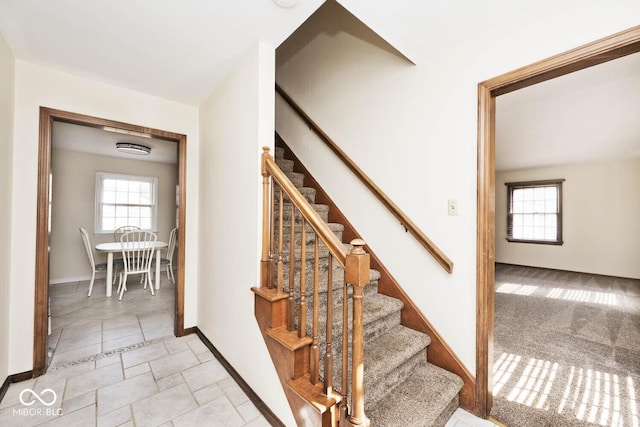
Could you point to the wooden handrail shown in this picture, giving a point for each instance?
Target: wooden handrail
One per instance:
(406, 222)
(334, 245)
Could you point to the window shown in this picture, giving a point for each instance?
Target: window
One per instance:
(534, 211)
(125, 200)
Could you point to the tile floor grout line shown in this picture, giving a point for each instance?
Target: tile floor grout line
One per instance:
(109, 353)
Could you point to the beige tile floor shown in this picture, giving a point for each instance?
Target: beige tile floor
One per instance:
(118, 364)
(85, 326)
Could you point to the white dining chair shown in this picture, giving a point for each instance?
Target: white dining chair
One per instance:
(137, 253)
(116, 237)
(94, 267)
(121, 230)
(168, 260)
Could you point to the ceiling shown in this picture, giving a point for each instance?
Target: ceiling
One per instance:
(85, 139)
(182, 50)
(589, 115)
(178, 50)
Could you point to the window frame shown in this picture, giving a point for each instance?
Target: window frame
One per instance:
(101, 176)
(511, 186)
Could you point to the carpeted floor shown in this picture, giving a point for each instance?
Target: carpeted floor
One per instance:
(566, 349)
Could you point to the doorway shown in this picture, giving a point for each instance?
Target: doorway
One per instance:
(612, 47)
(47, 117)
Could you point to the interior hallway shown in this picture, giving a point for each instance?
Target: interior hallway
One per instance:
(117, 363)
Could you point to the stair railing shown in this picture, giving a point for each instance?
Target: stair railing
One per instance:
(405, 221)
(355, 264)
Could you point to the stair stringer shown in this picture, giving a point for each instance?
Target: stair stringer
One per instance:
(438, 352)
(290, 357)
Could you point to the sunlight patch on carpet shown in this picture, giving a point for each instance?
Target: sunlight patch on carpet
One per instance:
(633, 408)
(580, 295)
(503, 368)
(532, 389)
(577, 295)
(516, 289)
(589, 395)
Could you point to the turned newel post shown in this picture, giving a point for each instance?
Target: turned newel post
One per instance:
(357, 275)
(266, 270)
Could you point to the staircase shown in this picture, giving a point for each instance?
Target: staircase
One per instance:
(401, 388)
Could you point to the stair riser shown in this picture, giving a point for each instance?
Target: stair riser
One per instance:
(336, 346)
(308, 193)
(286, 236)
(285, 164)
(381, 387)
(338, 277)
(322, 210)
(371, 331)
(323, 252)
(338, 296)
(296, 178)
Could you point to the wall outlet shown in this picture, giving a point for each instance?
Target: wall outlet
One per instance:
(453, 207)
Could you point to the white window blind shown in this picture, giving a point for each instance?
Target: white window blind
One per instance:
(534, 211)
(125, 200)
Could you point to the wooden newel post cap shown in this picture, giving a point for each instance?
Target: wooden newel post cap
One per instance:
(357, 265)
(266, 149)
(358, 247)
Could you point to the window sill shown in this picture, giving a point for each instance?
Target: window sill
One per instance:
(537, 242)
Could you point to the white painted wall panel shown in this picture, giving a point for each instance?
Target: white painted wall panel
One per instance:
(37, 86)
(601, 231)
(6, 168)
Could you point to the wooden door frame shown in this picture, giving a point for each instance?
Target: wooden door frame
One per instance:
(47, 117)
(612, 47)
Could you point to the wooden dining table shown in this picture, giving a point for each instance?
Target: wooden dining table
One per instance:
(111, 247)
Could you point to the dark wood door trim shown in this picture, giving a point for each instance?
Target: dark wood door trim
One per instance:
(609, 48)
(47, 117)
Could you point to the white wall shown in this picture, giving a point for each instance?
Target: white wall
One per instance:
(235, 122)
(413, 130)
(6, 169)
(37, 86)
(73, 206)
(601, 231)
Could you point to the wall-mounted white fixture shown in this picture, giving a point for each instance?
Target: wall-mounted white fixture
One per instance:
(126, 132)
(452, 206)
(131, 148)
(287, 4)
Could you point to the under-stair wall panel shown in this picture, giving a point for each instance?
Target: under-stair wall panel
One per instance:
(234, 127)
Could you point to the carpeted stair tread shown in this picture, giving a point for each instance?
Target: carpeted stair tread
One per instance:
(338, 283)
(322, 210)
(309, 193)
(296, 178)
(390, 358)
(323, 255)
(286, 229)
(427, 398)
(380, 314)
(285, 164)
